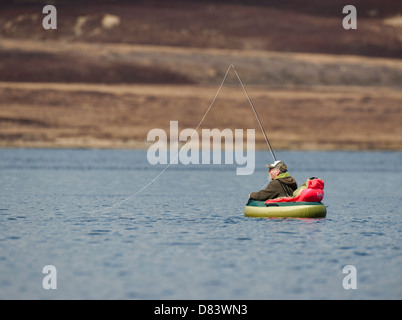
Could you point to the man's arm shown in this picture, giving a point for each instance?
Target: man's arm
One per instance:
(270, 192)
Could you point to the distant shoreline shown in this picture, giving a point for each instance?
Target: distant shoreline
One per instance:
(107, 145)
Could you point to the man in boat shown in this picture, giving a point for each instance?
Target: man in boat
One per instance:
(281, 184)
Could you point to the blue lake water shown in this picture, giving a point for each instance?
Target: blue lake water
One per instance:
(185, 235)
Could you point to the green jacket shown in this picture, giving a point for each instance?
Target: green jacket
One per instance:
(282, 186)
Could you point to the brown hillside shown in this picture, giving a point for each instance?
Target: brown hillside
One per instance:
(113, 70)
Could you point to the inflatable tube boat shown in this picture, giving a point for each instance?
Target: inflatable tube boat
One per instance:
(305, 203)
(260, 209)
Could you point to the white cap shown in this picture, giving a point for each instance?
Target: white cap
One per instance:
(277, 164)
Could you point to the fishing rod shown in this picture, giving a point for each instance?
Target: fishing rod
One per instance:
(255, 113)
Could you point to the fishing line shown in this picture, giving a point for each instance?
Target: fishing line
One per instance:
(198, 126)
(177, 155)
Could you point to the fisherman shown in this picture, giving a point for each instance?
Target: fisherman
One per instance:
(281, 183)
